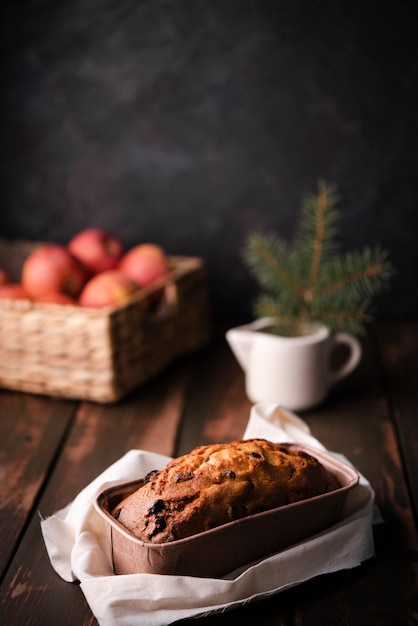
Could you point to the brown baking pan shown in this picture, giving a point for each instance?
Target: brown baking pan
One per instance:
(216, 552)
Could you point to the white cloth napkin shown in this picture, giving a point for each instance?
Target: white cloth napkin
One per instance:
(78, 547)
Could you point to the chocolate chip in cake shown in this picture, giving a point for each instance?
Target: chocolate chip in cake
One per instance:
(150, 475)
(157, 507)
(236, 511)
(229, 474)
(160, 524)
(181, 477)
(255, 455)
(306, 455)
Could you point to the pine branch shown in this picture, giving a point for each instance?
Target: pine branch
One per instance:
(319, 238)
(315, 240)
(283, 324)
(366, 272)
(268, 260)
(348, 321)
(310, 281)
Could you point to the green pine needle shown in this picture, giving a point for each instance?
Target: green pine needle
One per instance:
(310, 281)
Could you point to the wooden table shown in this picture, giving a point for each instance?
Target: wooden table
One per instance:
(50, 449)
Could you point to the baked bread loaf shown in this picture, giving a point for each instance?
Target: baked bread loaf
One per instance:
(219, 483)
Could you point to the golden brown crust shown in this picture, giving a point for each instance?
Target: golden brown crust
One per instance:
(219, 483)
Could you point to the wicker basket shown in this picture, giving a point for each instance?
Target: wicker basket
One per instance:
(100, 354)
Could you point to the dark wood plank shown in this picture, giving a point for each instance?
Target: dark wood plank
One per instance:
(34, 595)
(274, 611)
(217, 409)
(100, 435)
(202, 399)
(398, 347)
(31, 430)
(356, 421)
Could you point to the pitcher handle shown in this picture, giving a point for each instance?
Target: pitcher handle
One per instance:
(352, 360)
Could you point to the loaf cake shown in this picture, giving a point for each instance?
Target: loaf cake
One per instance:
(218, 483)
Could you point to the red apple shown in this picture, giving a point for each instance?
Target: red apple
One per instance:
(52, 268)
(13, 291)
(56, 297)
(97, 249)
(145, 263)
(4, 277)
(108, 288)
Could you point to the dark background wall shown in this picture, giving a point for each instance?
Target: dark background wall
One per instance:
(190, 123)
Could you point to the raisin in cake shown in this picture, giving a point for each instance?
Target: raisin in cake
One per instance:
(219, 483)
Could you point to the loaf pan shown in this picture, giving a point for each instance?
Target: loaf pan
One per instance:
(217, 552)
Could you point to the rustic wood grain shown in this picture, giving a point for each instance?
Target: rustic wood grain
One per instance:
(398, 347)
(356, 421)
(53, 449)
(31, 431)
(33, 594)
(103, 434)
(217, 408)
(100, 435)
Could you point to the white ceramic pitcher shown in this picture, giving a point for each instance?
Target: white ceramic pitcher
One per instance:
(294, 372)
